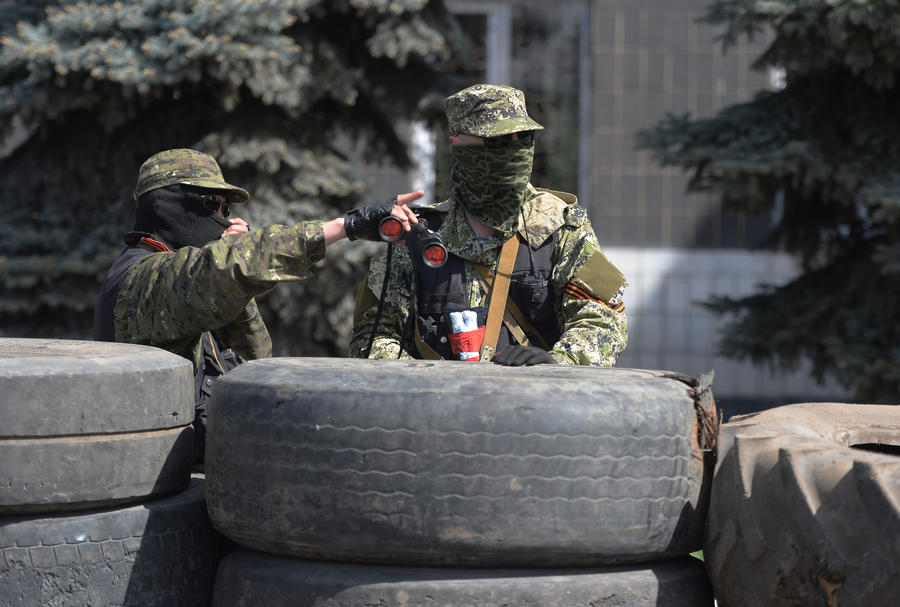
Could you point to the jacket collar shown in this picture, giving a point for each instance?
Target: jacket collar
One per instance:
(543, 213)
(147, 241)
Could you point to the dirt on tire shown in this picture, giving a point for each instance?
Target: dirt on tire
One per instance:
(804, 507)
(454, 463)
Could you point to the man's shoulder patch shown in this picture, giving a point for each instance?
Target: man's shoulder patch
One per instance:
(600, 277)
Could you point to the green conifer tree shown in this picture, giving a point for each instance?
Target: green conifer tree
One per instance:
(265, 86)
(822, 156)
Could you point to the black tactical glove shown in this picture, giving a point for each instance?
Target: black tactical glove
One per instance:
(362, 223)
(516, 356)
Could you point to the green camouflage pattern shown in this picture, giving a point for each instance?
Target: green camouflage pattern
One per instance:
(246, 335)
(491, 184)
(188, 167)
(592, 333)
(487, 110)
(167, 299)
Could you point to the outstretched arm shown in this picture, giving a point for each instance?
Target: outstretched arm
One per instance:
(363, 223)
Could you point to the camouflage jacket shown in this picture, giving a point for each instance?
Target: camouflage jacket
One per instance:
(168, 299)
(590, 314)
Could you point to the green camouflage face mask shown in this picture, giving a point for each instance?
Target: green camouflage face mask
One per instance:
(491, 184)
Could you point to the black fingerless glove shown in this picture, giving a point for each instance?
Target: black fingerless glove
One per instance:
(362, 223)
(516, 356)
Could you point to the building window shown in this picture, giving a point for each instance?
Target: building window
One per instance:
(541, 48)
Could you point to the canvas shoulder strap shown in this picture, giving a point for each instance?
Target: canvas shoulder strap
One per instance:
(498, 296)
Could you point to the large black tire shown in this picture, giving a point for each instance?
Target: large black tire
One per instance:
(804, 507)
(161, 553)
(86, 424)
(248, 579)
(451, 463)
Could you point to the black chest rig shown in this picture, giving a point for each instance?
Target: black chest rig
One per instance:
(213, 361)
(440, 291)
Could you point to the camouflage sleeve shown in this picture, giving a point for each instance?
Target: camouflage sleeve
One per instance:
(246, 335)
(168, 297)
(594, 327)
(394, 315)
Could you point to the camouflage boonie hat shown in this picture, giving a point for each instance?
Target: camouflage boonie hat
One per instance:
(188, 167)
(487, 110)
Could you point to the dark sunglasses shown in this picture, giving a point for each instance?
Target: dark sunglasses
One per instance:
(212, 204)
(502, 141)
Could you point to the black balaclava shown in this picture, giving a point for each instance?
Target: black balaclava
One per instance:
(175, 215)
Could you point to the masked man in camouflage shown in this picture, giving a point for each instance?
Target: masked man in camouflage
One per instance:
(565, 298)
(187, 279)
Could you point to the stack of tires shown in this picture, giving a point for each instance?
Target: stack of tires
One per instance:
(805, 507)
(97, 503)
(411, 483)
(417, 483)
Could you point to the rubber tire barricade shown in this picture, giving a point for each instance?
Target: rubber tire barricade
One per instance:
(247, 579)
(87, 424)
(450, 463)
(161, 553)
(799, 516)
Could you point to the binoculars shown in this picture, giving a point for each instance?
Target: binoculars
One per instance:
(430, 245)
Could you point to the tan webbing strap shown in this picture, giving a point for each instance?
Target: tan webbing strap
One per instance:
(499, 292)
(485, 281)
(513, 317)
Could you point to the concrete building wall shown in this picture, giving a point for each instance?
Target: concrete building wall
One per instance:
(669, 330)
(650, 57)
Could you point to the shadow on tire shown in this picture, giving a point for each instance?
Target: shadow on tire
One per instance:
(247, 578)
(176, 556)
(157, 553)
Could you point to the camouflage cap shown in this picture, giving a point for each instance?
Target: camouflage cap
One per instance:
(487, 110)
(188, 167)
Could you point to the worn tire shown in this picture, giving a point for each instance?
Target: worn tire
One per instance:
(87, 424)
(455, 463)
(160, 553)
(247, 578)
(798, 516)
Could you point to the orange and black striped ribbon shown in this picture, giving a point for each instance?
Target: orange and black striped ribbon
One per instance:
(573, 290)
(155, 244)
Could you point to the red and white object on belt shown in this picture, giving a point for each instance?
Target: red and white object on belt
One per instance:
(466, 335)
